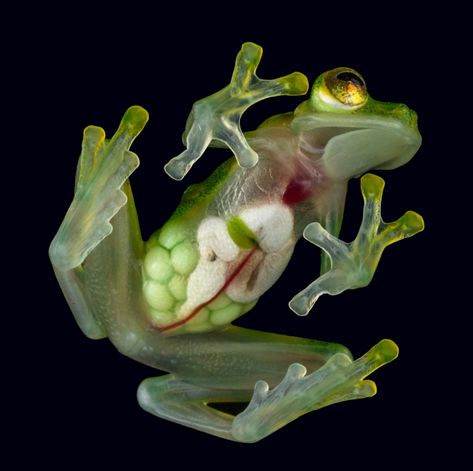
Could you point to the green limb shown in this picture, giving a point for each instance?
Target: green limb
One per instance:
(353, 265)
(217, 117)
(171, 398)
(340, 379)
(103, 169)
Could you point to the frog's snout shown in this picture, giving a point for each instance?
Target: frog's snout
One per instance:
(407, 116)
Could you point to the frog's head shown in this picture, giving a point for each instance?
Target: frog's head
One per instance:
(361, 132)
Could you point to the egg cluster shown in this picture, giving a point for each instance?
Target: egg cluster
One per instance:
(167, 266)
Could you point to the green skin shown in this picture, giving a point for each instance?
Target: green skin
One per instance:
(169, 302)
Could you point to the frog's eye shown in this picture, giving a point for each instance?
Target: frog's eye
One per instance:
(344, 88)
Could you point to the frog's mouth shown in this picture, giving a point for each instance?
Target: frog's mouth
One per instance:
(360, 142)
(232, 276)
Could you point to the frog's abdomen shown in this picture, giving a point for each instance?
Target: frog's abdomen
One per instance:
(203, 283)
(166, 271)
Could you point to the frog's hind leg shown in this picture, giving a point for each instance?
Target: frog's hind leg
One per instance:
(339, 379)
(170, 398)
(281, 377)
(101, 222)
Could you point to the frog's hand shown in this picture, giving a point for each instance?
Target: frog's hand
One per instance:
(103, 169)
(353, 265)
(340, 379)
(217, 117)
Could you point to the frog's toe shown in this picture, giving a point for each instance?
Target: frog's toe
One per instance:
(375, 234)
(372, 186)
(406, 226)
(102, 162)
(246, 82)
(104, 166)
(178, 167)
(340, 379)
(92, 142)
(246, 63)
(103, 170)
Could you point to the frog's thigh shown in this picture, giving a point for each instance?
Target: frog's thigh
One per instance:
(113, 280)
(234, 358)
(239, 357)
(184, 403)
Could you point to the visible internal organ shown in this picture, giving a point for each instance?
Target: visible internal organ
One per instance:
(272, 225)
(203, 286)
(217, 311)
(305, 179)
(259, 274)
(297, 190)
(173, 298)
(184, 281)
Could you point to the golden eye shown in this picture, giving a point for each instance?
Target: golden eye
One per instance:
(346, 86)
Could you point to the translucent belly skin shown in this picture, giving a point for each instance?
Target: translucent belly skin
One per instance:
(169, 302)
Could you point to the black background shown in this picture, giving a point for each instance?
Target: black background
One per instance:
(81, 66)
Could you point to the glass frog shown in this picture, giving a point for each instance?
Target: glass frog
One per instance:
(170, 302)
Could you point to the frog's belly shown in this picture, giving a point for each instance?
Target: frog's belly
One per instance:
(223, 286)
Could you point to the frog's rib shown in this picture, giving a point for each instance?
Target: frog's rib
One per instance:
(217, 117)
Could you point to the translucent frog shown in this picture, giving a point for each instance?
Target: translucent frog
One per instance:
(170, 302)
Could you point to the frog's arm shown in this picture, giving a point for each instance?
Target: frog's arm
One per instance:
(217, 117)
(331, 219)
(353, 265)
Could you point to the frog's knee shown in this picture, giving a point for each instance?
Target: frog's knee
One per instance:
(339, 348)
(127, 341)
(58, 255)
(328, 349)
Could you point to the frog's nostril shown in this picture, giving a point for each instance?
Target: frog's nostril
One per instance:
(404, 113)
(402, 108)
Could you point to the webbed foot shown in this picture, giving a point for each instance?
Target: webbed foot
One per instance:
(217, 117)
(340, 379)
(103, 168)
(353, 264)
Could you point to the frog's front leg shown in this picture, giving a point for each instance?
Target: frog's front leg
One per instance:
(217, 117)
(353, 265)
(100, 223)
(339, 379)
